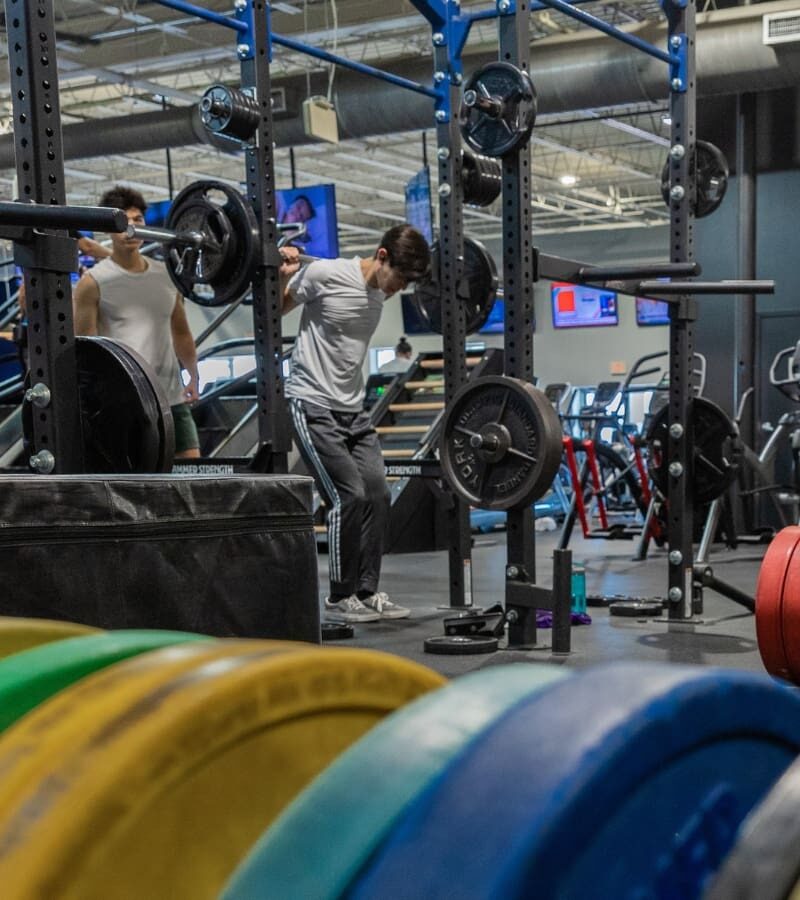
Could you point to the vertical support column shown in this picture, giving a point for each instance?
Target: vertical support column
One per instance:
(681, 18)
(518, 278)
(451, 273)
(273, 421)
(744, 376)
(40, 176)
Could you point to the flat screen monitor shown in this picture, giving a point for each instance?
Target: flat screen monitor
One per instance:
(156, 213)
(413, 323)
(313, 206)
(651, 312)
(419, 211)
(581, 306)
(496, 321)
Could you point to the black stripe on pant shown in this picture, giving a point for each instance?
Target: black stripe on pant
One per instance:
(343, 453)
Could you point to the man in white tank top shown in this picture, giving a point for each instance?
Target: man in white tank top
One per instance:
(131, 299)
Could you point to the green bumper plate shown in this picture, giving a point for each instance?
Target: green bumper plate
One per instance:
(32, 676)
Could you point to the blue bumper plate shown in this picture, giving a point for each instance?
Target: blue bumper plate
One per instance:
(625, 781)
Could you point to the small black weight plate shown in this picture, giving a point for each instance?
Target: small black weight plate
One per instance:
(481, 178)
(636, 608)
(716, 453)
(498, 109)
(477, 290)
(602, 601)
(336, 631)
(501, 443)
(221, 269)
(461, 644)
(709, 169)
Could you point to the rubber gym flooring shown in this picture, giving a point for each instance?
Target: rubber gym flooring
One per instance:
(723, 636)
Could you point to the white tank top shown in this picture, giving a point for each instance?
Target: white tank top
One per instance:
(136, 309)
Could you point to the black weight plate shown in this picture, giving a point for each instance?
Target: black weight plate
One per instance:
(477, 291)
(124, 429)
(461, 645)
(710, 170)
(162, 412)
(481, 178)
(221, 270)
(501, 443)
(511, 92)
(336, 631)
(636, 609)
(716, 452)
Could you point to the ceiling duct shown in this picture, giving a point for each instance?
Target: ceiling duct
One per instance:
(577, 71)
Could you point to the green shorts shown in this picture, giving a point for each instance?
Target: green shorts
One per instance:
(186, 437)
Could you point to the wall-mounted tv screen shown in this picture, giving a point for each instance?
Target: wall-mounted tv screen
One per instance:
(419, 211)
(651, 312)
(581, 306)
(496, 322)
(312, 206)
(156, 213)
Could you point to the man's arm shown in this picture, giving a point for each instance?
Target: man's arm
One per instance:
(185, 349)
(85, 305)
(290, 265)
(91, 247)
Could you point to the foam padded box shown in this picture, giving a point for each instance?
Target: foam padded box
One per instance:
(230, 555)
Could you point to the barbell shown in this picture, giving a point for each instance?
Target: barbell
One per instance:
(211, 244)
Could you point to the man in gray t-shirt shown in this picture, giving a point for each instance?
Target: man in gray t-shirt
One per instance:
(342, 301)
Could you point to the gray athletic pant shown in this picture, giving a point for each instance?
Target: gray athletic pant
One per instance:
(343, 453)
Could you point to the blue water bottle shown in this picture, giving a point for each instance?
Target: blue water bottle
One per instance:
(578, 589)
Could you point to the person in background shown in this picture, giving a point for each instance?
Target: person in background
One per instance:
(342, 302)
(131, 299)
(403, 352)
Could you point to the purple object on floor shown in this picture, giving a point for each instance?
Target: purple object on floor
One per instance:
(544, 618)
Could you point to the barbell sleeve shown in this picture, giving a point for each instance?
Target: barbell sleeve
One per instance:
(164, 235)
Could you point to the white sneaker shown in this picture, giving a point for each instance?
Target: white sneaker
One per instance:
(381, 603)
(351, 609)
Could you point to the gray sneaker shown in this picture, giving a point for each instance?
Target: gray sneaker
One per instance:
(351, 609)
(381, 603)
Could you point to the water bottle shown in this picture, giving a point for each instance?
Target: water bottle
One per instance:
(578, 589)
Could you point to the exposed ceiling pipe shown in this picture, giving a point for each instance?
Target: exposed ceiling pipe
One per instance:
(576, 71)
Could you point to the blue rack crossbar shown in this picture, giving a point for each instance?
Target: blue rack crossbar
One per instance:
(292, 44)
(207, 14)
(588, 19)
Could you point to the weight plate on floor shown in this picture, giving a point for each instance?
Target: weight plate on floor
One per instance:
(336, 631)
(498, 109)
(461, 644)
(790, 617)
(477, 290)
(716, 453)
(221, 269)
(30, 677)
(363, 792)
(501, 443)
(764, 863)
(709, 168)
(636, 609)
(17, 635)
(639, 776)
(170, 765)
(769, 601)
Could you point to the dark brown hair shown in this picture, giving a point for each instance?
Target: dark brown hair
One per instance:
(121, 197)
(407, 251)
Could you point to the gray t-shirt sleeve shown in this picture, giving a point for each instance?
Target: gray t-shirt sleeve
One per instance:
(306, 284)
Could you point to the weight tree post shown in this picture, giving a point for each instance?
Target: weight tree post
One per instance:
(681, 36)
(49, 256)
(518, 278)
(253, 49)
